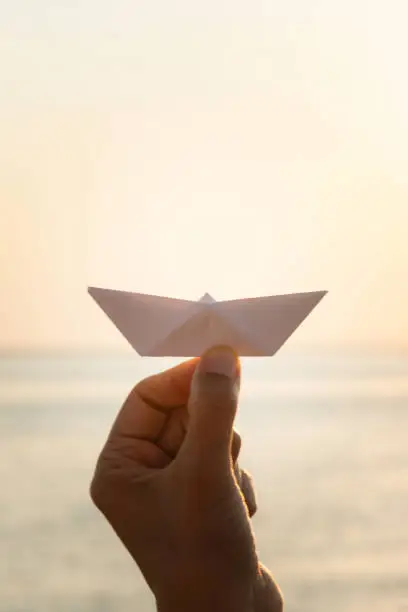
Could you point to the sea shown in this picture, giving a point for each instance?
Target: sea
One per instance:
(325, 437)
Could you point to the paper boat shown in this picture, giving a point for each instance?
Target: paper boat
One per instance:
(167, 327)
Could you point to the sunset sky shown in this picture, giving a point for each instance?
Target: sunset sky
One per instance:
(174, 148)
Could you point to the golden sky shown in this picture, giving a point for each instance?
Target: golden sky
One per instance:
(240, 148)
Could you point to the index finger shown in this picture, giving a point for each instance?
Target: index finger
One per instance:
(151, 401)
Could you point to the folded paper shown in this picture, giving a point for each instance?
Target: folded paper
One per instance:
(167, 327)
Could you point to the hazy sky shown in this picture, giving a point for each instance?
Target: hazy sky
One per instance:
(240, 148)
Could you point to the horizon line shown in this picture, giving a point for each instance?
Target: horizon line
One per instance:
(318, 349)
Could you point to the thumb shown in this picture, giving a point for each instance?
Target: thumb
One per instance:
(212, 406)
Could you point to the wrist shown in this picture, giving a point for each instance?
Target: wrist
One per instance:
(203, 604)
(206, 585)
(200, 598)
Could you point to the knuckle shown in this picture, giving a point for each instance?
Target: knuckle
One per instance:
(97, 491)
(134, 393)
(105, 484)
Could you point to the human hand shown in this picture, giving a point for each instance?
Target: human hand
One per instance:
(168, 482)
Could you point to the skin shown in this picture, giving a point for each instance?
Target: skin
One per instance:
(168, 482)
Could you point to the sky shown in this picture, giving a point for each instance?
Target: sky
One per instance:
(239, 148)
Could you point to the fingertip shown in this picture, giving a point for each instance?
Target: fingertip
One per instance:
(220, 359)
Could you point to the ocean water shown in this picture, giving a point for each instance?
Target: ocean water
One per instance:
(326, 439)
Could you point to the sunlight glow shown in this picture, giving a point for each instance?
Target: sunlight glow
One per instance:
(240, 149)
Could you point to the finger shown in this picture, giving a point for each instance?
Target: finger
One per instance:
(248, 491)
(149, 404)
(173, 434)
(243, 478)
(175, 431)
(235, 446)
(212, 407)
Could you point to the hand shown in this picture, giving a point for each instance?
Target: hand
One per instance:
(168, 482)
